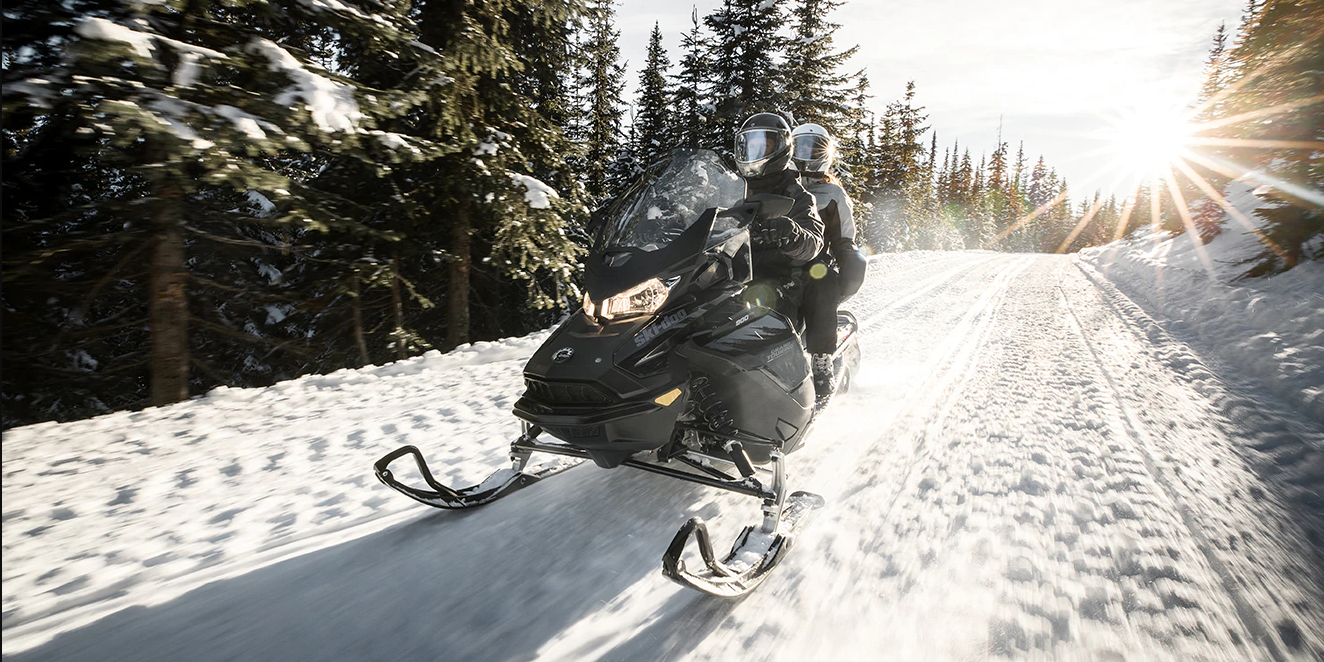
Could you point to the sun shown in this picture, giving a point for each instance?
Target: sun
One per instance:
(1149, 141)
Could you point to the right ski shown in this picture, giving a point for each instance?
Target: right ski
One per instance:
(754, 555)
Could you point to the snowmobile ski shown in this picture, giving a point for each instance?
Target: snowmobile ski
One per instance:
(501, 483)
(753, 556)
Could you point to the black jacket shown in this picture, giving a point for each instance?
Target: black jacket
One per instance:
(808, 242)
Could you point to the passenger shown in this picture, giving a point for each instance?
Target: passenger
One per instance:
(838, 271)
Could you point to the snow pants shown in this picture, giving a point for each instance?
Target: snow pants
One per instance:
(820, 311)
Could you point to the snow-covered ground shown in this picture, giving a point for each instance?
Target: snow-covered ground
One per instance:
(1269, 328)
(1034, 464)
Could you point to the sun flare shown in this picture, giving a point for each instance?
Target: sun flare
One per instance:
(1149, 142)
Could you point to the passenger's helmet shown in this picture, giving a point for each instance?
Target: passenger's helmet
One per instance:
(763, 145)
(812, 148)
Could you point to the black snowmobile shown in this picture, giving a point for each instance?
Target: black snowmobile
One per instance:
(677, 365)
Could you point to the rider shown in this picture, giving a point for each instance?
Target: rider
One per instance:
(783, 245)
(838, 271)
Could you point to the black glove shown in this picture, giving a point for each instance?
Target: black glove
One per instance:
(774, 232)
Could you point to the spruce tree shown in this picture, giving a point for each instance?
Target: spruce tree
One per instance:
(497, 214)
(195, 111)
(1276, 64)
(600, 87)
(816, 87)
(654, 134)
(855, 161)
(746, 73)
(692, 114)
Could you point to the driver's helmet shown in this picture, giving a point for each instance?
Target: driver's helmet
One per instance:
(812, 148)
(763, 145)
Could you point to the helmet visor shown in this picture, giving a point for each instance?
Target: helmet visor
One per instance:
(809, 147)
(756, 145)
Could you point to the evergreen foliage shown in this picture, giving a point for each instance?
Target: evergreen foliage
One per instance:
(1267, 87)
(193, 115)
(817, 88)
(653, 131)
(692, 112)
(601, 85)
(745, 71)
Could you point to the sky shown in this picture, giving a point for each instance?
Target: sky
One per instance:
(1056, 74)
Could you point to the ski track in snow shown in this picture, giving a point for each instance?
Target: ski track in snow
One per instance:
(1028, 467)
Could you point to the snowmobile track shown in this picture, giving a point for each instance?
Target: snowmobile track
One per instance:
(926, 287)
(1143, 442)
(949, 366)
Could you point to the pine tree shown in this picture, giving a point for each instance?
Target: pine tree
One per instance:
(195, 112)
(854, 164)
(997, 196)
(1039, 191)
(1215, 71)
(653, 132)
(1279, 52)
(601, 86)
(816, 88)
(746, 73)
(691, 86)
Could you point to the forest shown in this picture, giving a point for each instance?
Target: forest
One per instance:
(201, 193)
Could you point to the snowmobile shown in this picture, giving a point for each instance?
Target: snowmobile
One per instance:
(678, 364)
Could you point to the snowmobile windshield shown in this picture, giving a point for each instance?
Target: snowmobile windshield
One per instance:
(670, 196)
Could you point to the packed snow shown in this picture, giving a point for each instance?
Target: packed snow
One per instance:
(243, 122)
(1032, 464)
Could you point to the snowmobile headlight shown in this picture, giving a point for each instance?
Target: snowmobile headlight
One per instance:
(642, 299)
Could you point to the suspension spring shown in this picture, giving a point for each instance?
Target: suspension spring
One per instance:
(710, 406)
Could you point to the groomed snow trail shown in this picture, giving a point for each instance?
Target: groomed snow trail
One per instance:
(1029, 467)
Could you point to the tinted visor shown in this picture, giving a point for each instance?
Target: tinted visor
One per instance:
(809, 147)
(758, 144)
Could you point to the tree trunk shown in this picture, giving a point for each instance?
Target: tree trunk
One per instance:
(457, 294)
(168, 305)
(398, 305)
(358, 324)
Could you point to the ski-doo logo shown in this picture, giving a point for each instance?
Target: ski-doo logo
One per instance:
(562, 355)
(647, 335)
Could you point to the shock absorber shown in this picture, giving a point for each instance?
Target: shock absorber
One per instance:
(715, 413)
(710, 406)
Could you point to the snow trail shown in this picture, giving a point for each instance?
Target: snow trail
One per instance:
(1250, 620)
(1028, 467)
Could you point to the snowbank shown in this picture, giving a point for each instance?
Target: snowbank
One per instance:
(1271, 328)
(138, 507)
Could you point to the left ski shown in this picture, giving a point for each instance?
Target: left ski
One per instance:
(501, 483)
(753, 556)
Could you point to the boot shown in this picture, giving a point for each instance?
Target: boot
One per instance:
(824, 379)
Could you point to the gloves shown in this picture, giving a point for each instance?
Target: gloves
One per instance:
(775, 232)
